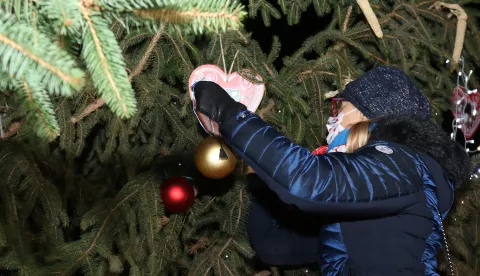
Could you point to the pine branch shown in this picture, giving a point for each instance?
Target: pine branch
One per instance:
(193, 50)
(123, 5)
(157, 123)
(105, 62)
(180, 131)
(3, 236)
(30, 196)
(114, 130)
(22, 9)
(266, 8)
(201, 244)
(197, 15)
(213, 260)
(90, 108)
(39, 109)
(10, 262)
(173, 16)
(262, 112)
(347, 18)
(68, 140)
(293, 9)
(143, 61)
(12, 130)
(98, 103)
(128, 192)
(64, 16)
(27, 53)
(181, 53)
(273, 55)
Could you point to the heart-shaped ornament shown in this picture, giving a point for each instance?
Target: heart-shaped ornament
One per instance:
(240, 89)
(466, 110)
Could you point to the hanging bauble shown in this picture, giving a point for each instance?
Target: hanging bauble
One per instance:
(214, 159)
(239, 88)
(177, 194)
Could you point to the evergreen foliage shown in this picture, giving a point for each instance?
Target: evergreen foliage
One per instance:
(462, 226)
(89, 202)
(41, 40)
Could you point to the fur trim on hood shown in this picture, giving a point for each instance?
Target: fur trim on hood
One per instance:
(429, 138)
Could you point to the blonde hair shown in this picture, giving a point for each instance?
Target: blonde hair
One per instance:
(358, 136)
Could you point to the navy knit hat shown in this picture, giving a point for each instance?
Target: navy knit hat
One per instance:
(387, 92)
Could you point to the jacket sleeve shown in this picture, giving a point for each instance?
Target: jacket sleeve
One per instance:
(379, 179)
(276, 244)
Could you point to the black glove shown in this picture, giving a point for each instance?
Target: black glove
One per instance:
(213, 101)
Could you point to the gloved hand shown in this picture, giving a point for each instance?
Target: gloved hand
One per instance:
(213, 101)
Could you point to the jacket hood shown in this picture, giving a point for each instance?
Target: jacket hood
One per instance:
(429, 138)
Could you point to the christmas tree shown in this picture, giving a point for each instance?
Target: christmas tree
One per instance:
(462, 223)
(96, 115)
(462, 228)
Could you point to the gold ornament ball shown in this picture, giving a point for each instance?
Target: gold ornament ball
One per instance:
(208, 158)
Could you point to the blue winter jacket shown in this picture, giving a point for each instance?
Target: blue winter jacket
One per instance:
(385, 201)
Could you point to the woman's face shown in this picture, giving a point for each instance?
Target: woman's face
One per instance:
(351, 118)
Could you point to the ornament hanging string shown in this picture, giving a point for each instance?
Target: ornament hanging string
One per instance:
(233, 62)
(223, 59)
(223, 55)
(222, 155)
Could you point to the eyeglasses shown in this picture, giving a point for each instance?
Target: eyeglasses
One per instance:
(336, 106)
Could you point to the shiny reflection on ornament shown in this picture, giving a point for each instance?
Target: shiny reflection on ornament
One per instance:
(214, 159)
(177, 194)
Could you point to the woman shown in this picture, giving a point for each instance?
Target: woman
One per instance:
(389, 192)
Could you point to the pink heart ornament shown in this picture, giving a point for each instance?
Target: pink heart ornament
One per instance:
(240, 89)
(466, 107)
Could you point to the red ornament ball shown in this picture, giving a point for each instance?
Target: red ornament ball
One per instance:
(177, 194)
